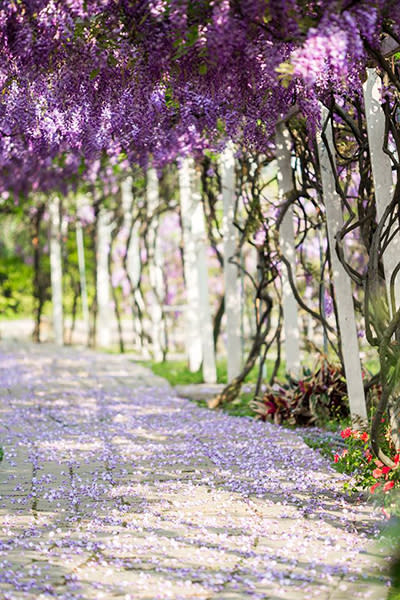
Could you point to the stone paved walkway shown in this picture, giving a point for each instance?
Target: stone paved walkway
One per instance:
(112, 487)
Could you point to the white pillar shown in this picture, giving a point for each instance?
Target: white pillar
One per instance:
(82, 276)
(104, 313)
(156, 268)
(199, 323)
(206, 326)
(341, 281)
(287, 243)
(133, 256)
(56, 270)
(231, 272)
(381, 171)
(192, 334)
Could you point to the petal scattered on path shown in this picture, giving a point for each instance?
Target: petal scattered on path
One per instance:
(112, 487)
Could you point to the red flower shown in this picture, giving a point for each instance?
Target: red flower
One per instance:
(364, 436)
(368, 455)
(378, 463)
(397, 459)
(336, 458)
(346, 433)
(386, 470)
(388, 486)
(377, 473)
(373, 487)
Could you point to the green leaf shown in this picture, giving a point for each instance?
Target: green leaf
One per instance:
(94, 73)
(203, 69)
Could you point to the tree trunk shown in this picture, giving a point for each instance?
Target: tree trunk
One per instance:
(76, 288)
(217, 321)
(232, 390)
(132, 264)
(38, 290)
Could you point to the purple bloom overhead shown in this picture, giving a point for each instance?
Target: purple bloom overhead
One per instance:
(102, 80)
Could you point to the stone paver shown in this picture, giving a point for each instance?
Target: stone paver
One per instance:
(113, 487)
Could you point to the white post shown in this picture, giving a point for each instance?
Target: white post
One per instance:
(82, 276)
(56, 270)
(383, 184)
(231, 272)
(341, 281)
(193, 333)
(206, 327)
(103, 325)
(133, 256)
(381, 171)
(199, 323)
(156, 268)
(287, 242)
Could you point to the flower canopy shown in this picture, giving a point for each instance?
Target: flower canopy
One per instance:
(87, 84)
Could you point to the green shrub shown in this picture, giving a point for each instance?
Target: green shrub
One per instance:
(15, 287)
(369, 472)
(319, 396)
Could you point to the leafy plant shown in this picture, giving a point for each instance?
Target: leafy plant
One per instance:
(15, 287)
(368, 472)
(357, 459)
(320, 395)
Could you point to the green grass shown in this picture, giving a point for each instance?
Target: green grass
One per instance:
(1, 454)
(176, 372)
(240, 406)
(372, 365)
(325, 447)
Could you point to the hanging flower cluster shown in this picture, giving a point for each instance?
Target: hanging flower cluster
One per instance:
(95, 82)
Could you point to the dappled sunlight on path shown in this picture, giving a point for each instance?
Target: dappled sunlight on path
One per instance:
(112, 487)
